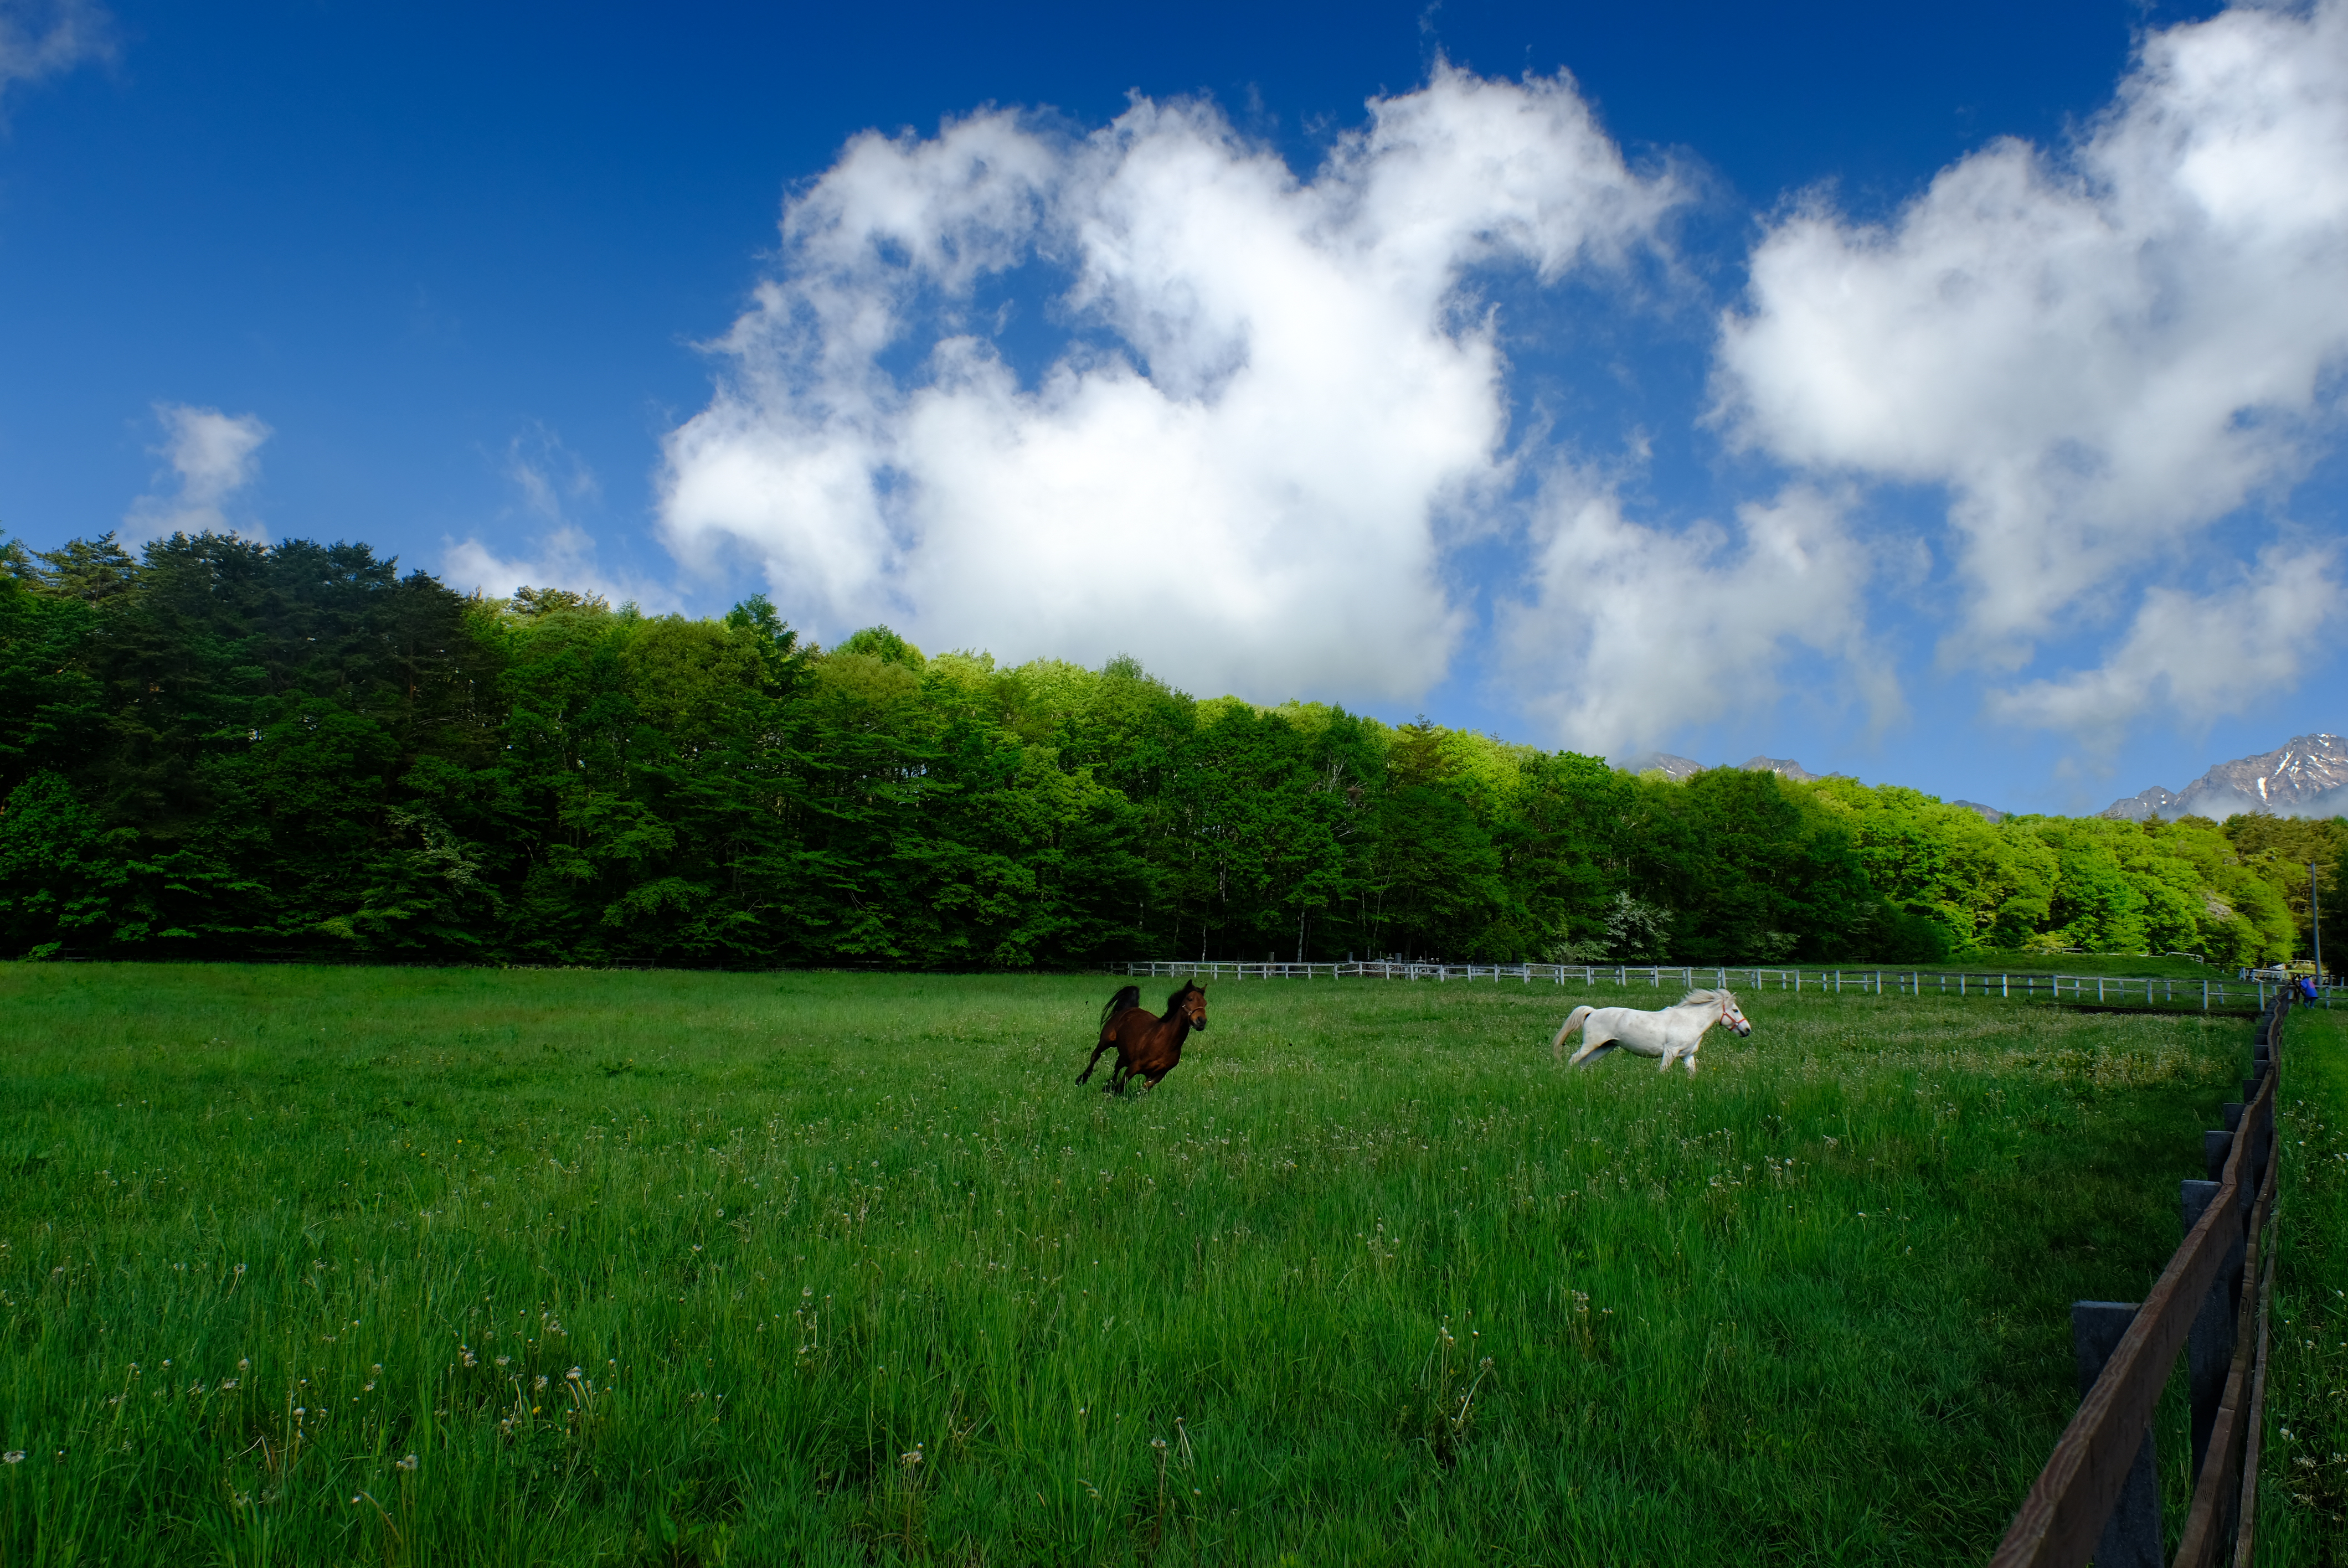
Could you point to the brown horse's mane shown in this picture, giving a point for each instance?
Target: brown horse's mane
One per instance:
(1130, 997)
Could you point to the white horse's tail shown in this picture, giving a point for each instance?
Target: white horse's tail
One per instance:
(1573, 1021)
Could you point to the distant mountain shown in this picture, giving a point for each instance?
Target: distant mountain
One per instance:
(1784, 767)
(1670, 767)
(2308, 778)
(1988, 813)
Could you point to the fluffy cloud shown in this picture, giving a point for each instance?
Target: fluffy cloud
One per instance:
(1271, 397)
(547, 479)
(2200, 657)
(213, 456)
(1635, 632)
(563, 556)
(2099, 355)
(41, 38)
(1272, 408)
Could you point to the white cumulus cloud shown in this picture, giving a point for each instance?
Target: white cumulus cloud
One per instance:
(1271, 401)
(213, 456)
(1635, 632)
(2101, 354)
(2201, 657)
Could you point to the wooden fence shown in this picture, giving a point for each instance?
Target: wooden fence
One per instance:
(2107, 990)
(2098, 1495)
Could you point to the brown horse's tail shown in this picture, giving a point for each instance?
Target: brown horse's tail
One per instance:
(1129, 996)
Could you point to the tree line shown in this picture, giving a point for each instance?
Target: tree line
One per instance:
(222, 748)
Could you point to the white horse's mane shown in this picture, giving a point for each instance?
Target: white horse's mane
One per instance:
(1706, 996)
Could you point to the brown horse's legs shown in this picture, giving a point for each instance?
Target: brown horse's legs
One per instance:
(1099, 1051)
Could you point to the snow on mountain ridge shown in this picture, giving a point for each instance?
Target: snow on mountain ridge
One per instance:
(2306, 776)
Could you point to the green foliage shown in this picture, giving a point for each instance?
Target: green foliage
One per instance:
(880, 642)
(238, 750)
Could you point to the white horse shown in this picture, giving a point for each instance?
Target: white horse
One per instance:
(1672, 1033)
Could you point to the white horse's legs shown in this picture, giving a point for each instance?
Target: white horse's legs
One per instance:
(1591, 1049)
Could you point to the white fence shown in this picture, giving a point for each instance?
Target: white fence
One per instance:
(2016, 986)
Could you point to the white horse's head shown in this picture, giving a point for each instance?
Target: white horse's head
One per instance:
(1726, 1003)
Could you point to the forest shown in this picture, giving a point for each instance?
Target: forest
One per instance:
(227, 749)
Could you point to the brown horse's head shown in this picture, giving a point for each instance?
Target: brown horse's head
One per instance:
(1190, 1003)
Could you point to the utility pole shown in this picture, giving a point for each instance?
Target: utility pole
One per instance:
(2315, 931)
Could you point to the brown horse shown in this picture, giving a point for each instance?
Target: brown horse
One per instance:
(1145, 1045)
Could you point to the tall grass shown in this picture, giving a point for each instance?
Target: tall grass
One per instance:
(352, 1266)
(2303, 1485)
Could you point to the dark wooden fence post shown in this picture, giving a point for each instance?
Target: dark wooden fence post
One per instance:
(2209, 1345)
(2132, 1534)
(2098, 1495)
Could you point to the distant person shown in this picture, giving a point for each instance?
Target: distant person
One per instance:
(2307, 989)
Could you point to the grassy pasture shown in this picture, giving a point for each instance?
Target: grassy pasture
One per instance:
(2303, 1480)
(1386, 1284)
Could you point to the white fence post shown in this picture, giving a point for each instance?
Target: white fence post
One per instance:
(2157, 988)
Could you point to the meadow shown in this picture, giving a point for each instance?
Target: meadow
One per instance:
(461, 1265)
(2303, 1489)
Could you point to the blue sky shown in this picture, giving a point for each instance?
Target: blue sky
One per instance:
(1948, 397)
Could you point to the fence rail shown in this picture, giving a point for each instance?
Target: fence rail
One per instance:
(2018, 986)
(2098, 1495)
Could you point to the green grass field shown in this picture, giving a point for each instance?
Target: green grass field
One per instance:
(2303, 1485)
(817, 1268)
